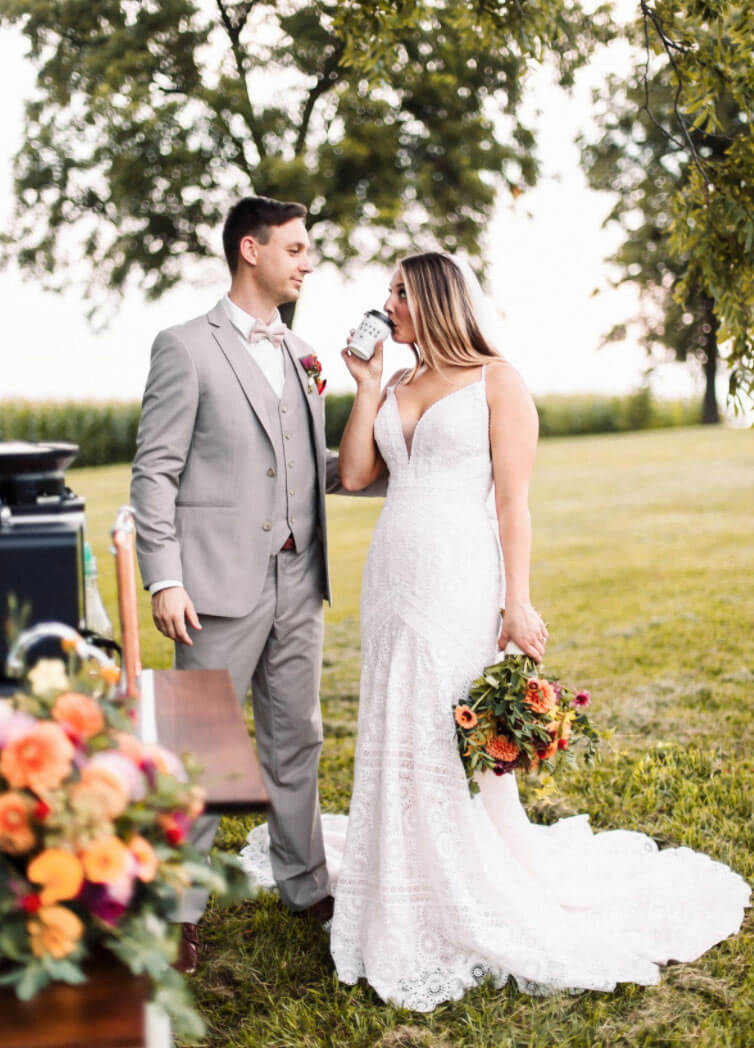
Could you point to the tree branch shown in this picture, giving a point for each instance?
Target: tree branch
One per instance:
(669, 47)
(233, 28)
(319, 89)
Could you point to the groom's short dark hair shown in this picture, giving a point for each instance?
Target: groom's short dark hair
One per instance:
(253, 217)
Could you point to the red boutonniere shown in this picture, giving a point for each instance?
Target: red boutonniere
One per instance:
(313, 368)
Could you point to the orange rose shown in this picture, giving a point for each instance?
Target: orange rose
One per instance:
(103, 786)
(106, 860)
(465, 716)
(502, 749)
(40, 758)
(79, 712)
(146, 860)
(16, 835)
(54, 930)
(59, 872)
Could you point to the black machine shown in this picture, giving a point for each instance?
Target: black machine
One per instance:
(41, 536)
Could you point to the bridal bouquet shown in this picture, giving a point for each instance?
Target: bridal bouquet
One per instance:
(515, 718)
(93, 831)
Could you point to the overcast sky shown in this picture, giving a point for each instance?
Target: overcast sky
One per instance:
(546, 254)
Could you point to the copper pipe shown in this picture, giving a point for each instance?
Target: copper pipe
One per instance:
(123, 533)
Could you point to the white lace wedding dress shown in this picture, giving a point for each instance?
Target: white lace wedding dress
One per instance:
(435, 890)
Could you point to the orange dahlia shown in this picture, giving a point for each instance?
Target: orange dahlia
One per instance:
(465, 716)
(502, 748)
(540, 696)
(39, 758)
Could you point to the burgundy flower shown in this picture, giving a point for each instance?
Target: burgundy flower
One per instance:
(101, 903)
(503, 767)
(581, 698)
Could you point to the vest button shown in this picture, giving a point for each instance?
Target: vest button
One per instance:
(291, 491)
(283, 408)
(293, 520)
(287, 436)
(290, 464)
(270, 472)
(267, 526)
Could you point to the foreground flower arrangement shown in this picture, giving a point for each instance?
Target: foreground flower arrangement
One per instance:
(93, 834)
(515, 718)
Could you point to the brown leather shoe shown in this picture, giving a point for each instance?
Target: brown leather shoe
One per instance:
(320, 911)
(188, 950)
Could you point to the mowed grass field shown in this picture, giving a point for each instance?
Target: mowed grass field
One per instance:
(643, 570)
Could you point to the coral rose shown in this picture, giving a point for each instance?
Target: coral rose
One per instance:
(540, 696)
(107, 860)
(502, 749)
(16, 835)
(465, 716)
(54, 930)
(146, 859)
(79, 712)
(40, 758)
(59, 872)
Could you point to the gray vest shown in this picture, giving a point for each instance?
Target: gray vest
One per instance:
(295, 504)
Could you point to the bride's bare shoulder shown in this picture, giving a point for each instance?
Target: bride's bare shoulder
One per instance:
(396, 378)
(504, 381)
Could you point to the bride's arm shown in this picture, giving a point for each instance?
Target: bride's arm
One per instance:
(360, 463)
(514, 428)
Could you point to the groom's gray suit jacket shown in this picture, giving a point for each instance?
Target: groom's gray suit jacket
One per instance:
(213, 474)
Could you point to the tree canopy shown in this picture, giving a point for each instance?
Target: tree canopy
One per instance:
(676, 144)
(396, 123)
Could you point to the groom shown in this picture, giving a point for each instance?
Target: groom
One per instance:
(228, 487)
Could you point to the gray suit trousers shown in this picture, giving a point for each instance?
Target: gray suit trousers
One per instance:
(277, 648)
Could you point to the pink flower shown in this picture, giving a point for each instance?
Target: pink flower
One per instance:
(581, 698)
(12, 722)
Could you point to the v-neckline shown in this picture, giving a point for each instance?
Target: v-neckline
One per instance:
(409, 447)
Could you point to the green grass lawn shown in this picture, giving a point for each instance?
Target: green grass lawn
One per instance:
(643, 571)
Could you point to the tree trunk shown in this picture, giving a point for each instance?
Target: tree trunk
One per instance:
(710, 410)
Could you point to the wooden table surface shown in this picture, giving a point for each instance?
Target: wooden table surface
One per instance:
(197, 712)
(108, 1011)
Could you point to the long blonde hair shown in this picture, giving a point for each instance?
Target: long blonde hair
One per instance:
(447, 332)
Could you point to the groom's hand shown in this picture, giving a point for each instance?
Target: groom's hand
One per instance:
(171, 610)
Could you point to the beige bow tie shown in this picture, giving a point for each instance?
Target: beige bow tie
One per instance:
(274, 332)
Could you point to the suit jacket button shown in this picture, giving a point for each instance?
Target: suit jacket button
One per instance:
(270, 472)
(267, 526)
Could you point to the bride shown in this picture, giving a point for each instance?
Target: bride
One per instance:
(436, 889)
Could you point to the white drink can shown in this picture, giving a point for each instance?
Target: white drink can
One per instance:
(373, 327)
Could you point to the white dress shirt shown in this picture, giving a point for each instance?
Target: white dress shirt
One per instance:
(269, 359)
(267, 356)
